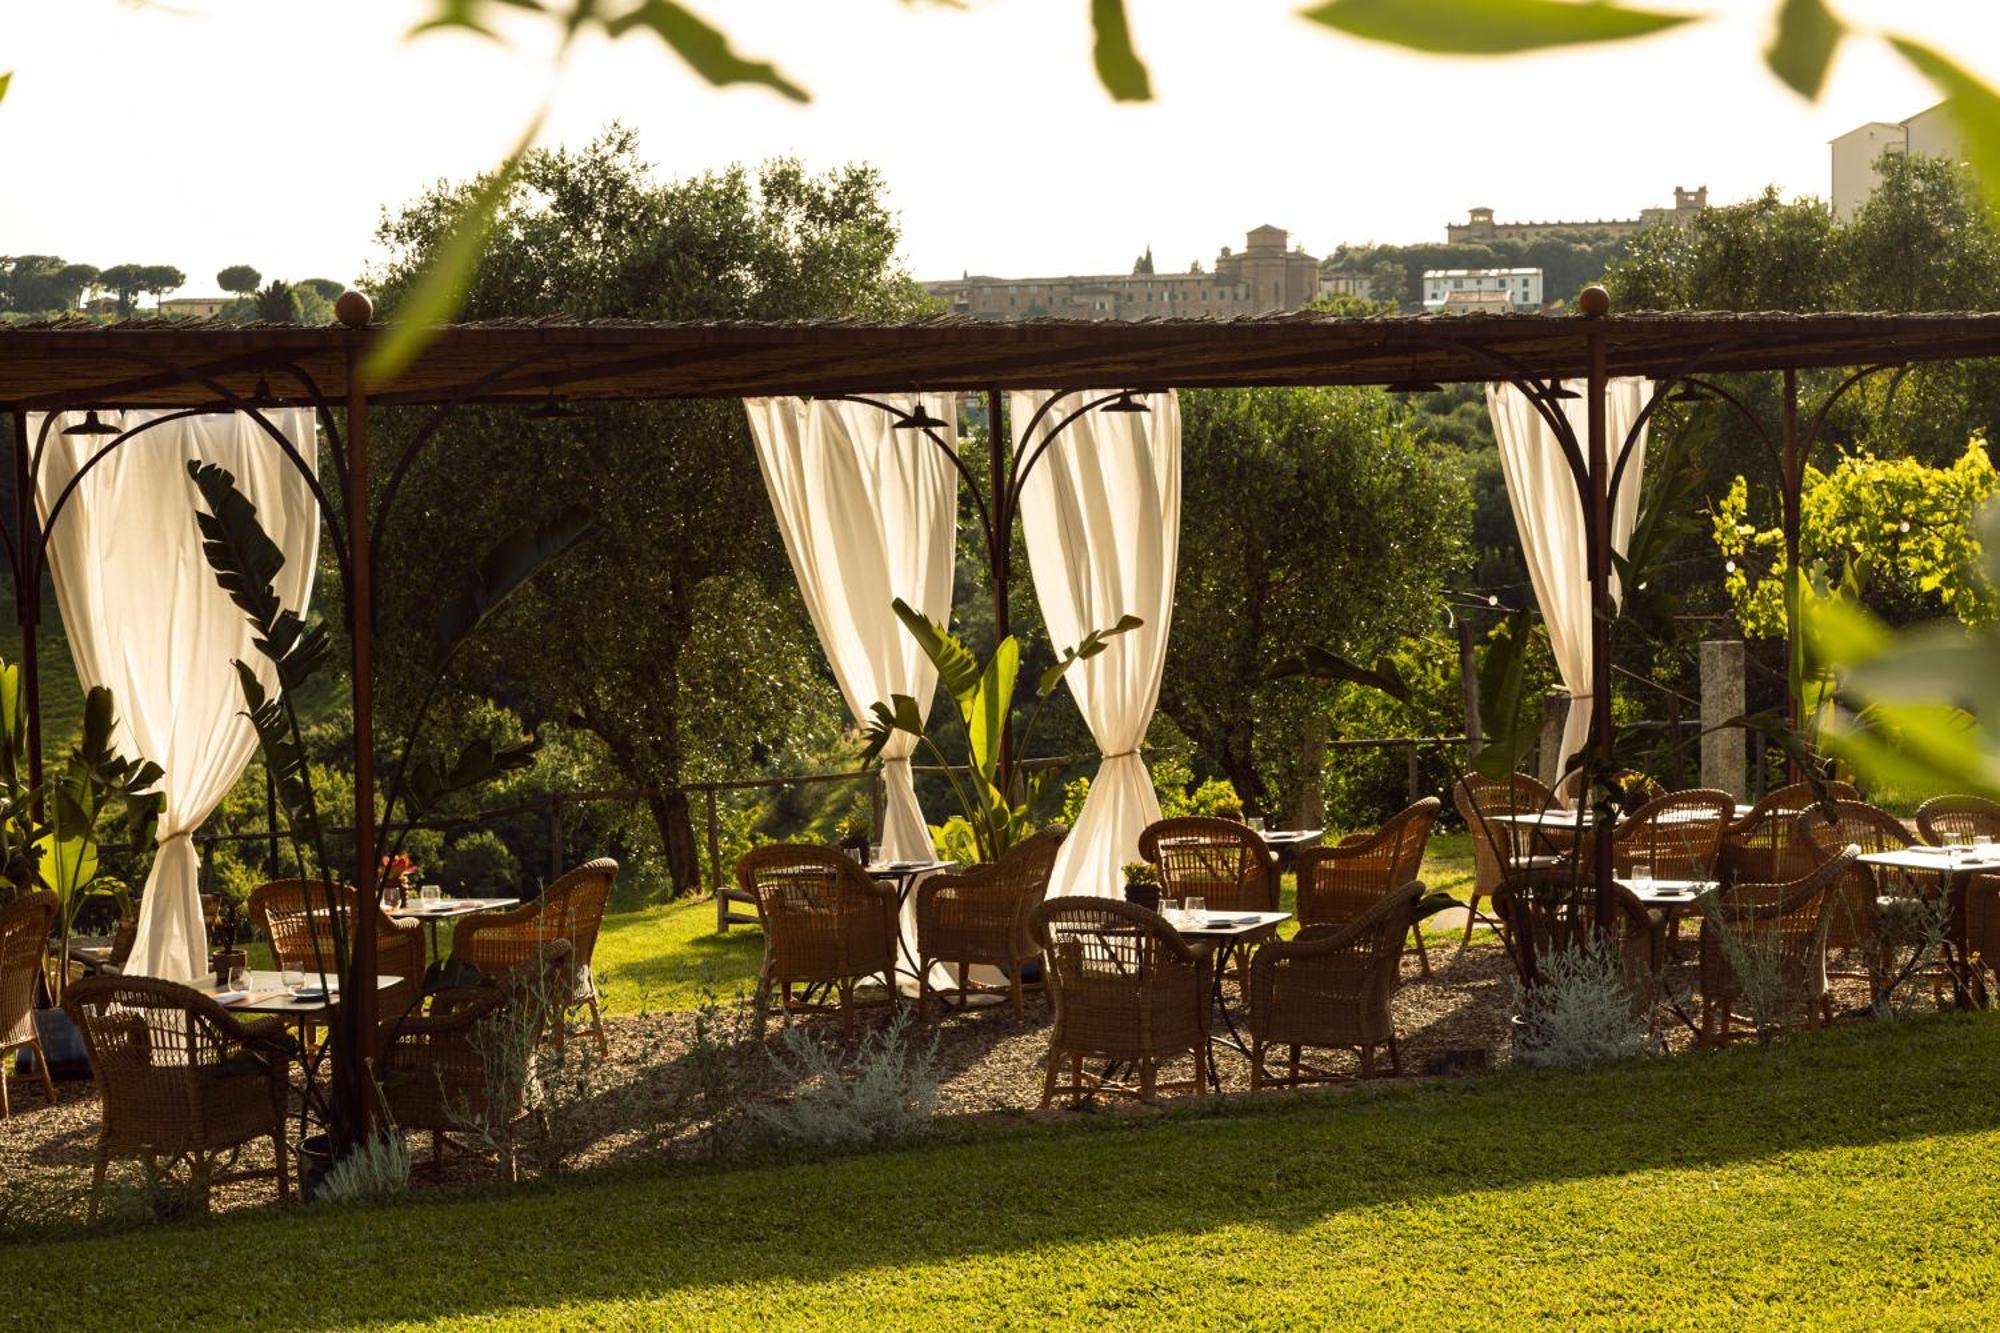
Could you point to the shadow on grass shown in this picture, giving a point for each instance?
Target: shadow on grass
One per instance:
(1286, 1164)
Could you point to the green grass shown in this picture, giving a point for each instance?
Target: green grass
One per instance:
(1839, 1180)
(659, 958)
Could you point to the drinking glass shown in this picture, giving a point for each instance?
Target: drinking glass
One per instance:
(874, 853)
(1640, 877)
(1982, 845)
(1256, 823)
(1194, 907)
(239, 977)
(1170, 908)
(430, 893)
(294, 977)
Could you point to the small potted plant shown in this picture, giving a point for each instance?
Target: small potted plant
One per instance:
(398, 873)
(227, 958)
(852, 836)
(1142, 885)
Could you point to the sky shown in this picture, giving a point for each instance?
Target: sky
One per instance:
(203, 133)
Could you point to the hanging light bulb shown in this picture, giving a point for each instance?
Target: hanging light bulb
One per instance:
(263, 397)
(1688, 393)
(90, 425)
(1125, 402)
(918, 419)
(1558, 390)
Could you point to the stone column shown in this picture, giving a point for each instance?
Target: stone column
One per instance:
(1722, 696)
(1555, 712)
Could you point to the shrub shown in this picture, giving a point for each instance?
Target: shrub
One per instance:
(479, 864)
(1580, 1012)
(376, 1171)
(887, 1090)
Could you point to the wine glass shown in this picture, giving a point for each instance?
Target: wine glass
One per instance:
(1170, 908)
(1194, 906)
(239, 978)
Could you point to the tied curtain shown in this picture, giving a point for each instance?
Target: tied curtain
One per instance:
(145, 619)
(868, 514)
(1549, 516)
(1101, 510)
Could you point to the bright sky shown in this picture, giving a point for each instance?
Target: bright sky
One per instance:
(272, 132)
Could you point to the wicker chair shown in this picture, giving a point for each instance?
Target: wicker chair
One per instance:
(1127, 988)
(1338, 884)
(1551, 909)
(181, 1077)
(1497, 847)
(1219, 860)
(1330, 986)
(1783, 927)
(825, 923)
(292, 915)
(466, 1065)
(981, 916)
(1856, 919)
(1763, 847)
(1943, 820)
(570, 909)
(24, 947)
(1677, 835)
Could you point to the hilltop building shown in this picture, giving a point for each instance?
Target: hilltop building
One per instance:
(1482, 290)
(1264, 277)
(1480, 226)
(1856, 153)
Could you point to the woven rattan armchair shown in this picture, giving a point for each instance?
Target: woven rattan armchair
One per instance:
(181, 1078)
(1764, 846)
(24, 948)
(466, 1065)
(1219, 860)
(1944, 820)
(1127, 989)
(1780, 931)
(570, 909)
(292, 915)
(825, 924)
(1855, 920)
(981, 915)
(1499, 849)
(1329, 986)
(1550, 909)
(1677, 835)
(1338, 884)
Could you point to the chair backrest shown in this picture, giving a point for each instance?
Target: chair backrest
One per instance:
(570, 909)
(1028, 865)
(1852, 823)
(1764, 846)
(295, 916)
(1944, 820)
(1677, 835)
(1120, 977)
(1786, 925)
(822, 916)
(24, 946)
(1479, 800)
(1219, 860)
(151, 1044)
(1339, 884)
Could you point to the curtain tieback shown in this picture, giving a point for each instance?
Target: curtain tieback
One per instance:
(1122, 754)
(178, 835)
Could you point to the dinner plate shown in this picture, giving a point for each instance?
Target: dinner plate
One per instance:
(308, 992)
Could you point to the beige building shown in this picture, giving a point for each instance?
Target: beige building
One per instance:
(1263, 277)
(1480, 226)
(1856, 153)
(199, 307)
(1488, 290)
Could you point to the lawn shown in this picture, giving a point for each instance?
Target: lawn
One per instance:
(659, 958)
(1842, 1180)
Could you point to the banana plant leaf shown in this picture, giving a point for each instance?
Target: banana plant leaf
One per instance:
(512, 561)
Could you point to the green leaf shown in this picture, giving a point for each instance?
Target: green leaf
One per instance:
(513, 560)
(899, 714)
(704, 47)
(1118, 65)
(957, 667)
(6, 81)
(1973, 106)
(1489, 27)
(246, 562)
(1510, 727)
(1802, 48)
(440, 289)
(1089, 646)
(992, 701)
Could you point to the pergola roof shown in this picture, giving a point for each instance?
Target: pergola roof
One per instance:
(178, 362)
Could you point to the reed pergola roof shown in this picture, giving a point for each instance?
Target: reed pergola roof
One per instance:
(179, 362)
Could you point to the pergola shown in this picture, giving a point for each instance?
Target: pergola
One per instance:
(204, 367)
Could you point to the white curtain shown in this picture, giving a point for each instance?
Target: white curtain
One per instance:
(869, 514)
(1102, 514)
(1550, 519)
(145, 618)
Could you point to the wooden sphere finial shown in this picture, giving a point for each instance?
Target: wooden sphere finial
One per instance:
(354, 309)
(1594, 301)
